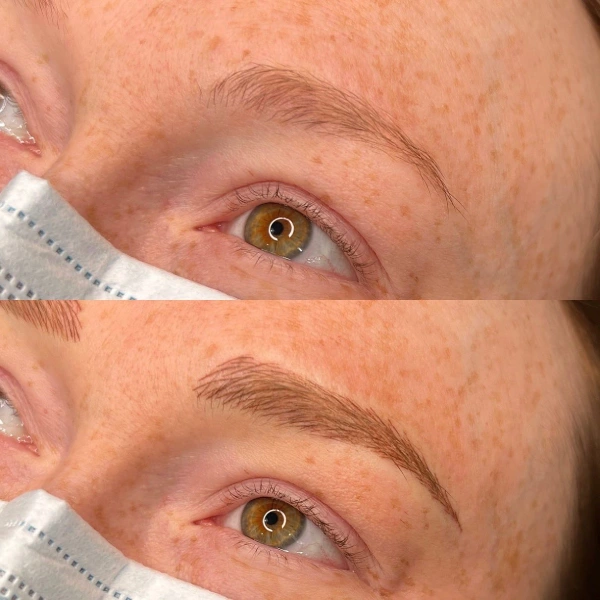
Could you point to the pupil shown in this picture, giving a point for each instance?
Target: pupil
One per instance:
(277, 228)
(271, 518)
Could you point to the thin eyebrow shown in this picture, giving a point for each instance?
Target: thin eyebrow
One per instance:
(290, 97)
(294, 98)
(272, 393)
(48, 9)
(56, 317)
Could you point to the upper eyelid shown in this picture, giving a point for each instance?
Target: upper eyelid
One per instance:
(309, 506)
(355, 248)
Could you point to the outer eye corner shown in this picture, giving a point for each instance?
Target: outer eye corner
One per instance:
(276, 525)
(280, 226)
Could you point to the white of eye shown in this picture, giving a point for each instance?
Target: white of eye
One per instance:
(312, 543)
(11, 424)
(321, 252)
(12, 121)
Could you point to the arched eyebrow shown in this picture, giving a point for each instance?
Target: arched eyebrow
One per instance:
(276, 395)
(291, 97)
(56, 317)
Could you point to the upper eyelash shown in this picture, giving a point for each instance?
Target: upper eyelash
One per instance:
(314, 212)
(306, 506)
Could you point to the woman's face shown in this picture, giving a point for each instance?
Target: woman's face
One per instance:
(165, 421)
(434, 149)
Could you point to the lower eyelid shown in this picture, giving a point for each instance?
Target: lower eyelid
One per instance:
(332, 225)
(270, 262)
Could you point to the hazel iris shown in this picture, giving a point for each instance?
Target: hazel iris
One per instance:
(272, 522)
(278, 229)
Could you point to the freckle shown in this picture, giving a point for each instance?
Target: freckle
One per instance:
(309, 460)
(405, 211)
(245, 53)
(214, 43)
(152, 13)
(317, 160)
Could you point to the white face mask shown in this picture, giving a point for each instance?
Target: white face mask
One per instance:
(48, 251)
(47, 551)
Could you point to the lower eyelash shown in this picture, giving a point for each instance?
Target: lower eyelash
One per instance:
(248, 491)
(350, 249)
(275, 262)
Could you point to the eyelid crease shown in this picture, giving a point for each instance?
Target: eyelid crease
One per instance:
(292, 97)
(308, 507)
(352, 249)
(291, 401)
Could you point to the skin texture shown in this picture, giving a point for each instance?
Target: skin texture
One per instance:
(122, 437)
(501, 94)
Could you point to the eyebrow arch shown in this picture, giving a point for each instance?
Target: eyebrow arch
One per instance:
(56, 317)
(290, 97)
(272, 393)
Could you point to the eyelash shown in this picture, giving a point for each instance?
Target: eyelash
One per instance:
(352, 250)
(251, 490)
(31, 145)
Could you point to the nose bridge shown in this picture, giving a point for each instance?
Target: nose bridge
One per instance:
(111, 483)
(100, 166)
(119, 446)
(122, 138)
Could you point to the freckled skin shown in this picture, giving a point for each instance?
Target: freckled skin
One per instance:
(512, 121)
(127, 444)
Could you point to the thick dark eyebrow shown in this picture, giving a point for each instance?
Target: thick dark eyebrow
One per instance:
(289, 97)
(269, 392)
(56, 317)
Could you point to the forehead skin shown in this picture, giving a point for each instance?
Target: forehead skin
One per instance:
(502, 94)
(489, 415)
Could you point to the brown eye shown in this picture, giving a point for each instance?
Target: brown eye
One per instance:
(272, 522)
(278, 229)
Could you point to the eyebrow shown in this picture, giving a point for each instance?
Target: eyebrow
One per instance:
(290, 97)
(50, 10)
(269, 392)
(56, 317)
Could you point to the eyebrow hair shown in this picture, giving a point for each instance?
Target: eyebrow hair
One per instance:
(56, 317)
(48, 9)
(274, 394)
(290, 97)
